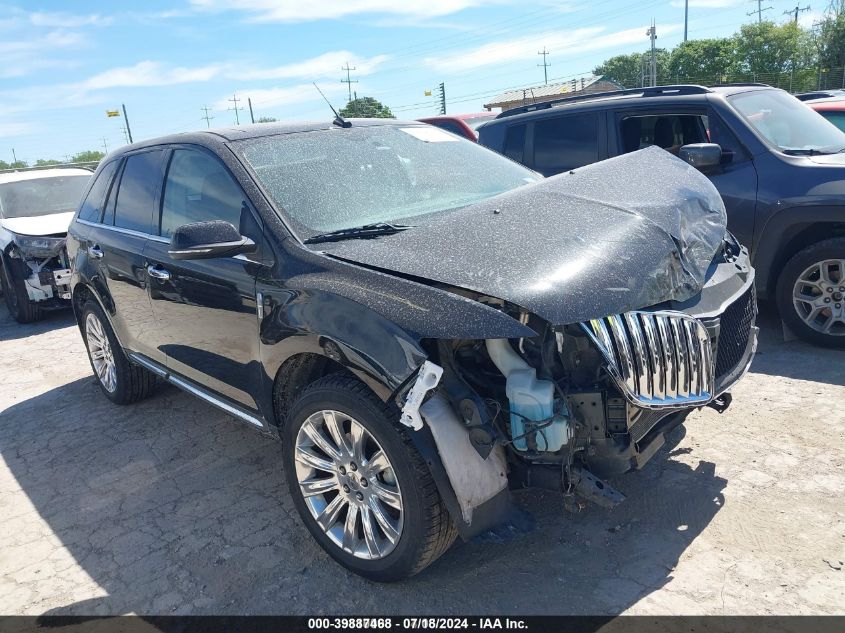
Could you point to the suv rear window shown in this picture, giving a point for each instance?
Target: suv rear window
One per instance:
(565, 143)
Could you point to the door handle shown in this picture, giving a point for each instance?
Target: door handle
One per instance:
(158, 273)
(95, 252)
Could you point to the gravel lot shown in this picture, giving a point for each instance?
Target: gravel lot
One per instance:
(170, 506)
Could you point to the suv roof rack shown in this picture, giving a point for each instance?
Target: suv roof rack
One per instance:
(90, 166)
(649, 91)
(742, 83)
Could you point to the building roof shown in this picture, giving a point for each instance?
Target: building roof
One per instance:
(31, 174)
(537, 92)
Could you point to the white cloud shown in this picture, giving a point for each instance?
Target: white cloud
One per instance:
(560, 44)
(299, 11)
(284, 96)
(148, 73)
(327, 64)
(11, 128)
(67, 20)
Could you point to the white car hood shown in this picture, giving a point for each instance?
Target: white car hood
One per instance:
(54, 224)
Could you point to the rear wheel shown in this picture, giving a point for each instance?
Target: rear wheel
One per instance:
(17, 300)
(122, 381)
(811, 293)
(359, 484)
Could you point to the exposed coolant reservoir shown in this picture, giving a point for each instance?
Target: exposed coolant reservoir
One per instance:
(529, 397)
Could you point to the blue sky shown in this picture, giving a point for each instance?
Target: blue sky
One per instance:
(65, 63)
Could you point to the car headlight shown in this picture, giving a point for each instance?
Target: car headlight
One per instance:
(38, 246)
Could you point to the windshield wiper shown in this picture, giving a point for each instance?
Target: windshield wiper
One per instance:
(799, 151)
(359, 232)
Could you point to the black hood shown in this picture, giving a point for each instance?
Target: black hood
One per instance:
(619, 235)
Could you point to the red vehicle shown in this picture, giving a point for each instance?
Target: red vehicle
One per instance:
(831, 108)
(465, 125)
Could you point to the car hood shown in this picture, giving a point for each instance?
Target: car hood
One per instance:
(622, 234)
(55, 224)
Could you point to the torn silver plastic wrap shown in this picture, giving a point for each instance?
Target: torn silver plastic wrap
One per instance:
(654, 224)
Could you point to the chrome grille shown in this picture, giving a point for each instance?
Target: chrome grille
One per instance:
(658, 359)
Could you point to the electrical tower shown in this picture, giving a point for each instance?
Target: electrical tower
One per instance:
(652, 69)
(206, 115)
(545, 65)
(235, 100)
(759, 11)
(442, 90)
(794, 12)
(348, 81)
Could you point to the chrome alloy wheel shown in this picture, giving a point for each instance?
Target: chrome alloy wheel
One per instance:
(819, 297)
(349, 485)
(101, 353)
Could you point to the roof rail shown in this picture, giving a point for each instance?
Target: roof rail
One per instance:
(89, 165)
(742, 83)
(649, 91)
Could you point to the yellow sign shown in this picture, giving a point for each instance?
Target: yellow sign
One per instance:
(427, 93)
(112, 113)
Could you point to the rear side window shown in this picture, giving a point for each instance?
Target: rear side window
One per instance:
(565, 143)
(197, 189)
(92, 207)
(137, 193)
(515, 143)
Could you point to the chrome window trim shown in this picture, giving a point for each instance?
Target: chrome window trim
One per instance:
(118, 229)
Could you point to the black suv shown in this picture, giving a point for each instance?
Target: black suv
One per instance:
(777, 164)
(420, 320)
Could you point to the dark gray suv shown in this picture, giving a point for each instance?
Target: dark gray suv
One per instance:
(777, 164)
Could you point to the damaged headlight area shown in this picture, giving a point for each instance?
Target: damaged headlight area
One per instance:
(33, 246)
(40, 264)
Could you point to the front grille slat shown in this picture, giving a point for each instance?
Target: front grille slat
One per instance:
(659, 359)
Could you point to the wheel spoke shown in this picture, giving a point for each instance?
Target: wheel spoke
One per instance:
(320, 440)
(384, 522)
(388, 494)
(306, 457)
(350, 529)
(335, 429)
(328, 517)
(357, 432)
(378, 463)
(313, 487)
(369, 532)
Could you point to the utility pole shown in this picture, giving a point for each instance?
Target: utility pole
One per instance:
(442, 89)
(794, 12)
(251, 115)
(105, 145)
(652, 34)
(126, 121)
(686, 18)
(125, 134)
(545, 65)
(14, 156)
(206, 116)
(348, 81)
(235, 100)
(759, 11)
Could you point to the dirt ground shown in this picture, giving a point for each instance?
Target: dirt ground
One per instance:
(170, 506)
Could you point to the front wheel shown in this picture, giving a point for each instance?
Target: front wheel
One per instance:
(359, 484)
(811, 293)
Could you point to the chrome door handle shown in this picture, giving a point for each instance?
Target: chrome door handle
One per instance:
(95, 252)
(158, 273)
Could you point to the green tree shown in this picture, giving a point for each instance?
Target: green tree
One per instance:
(18, 164)
(42, 162)
(830, 41)
(366, 107)
(266, 119)
(765, 49)
(88, 156)
(629, 70)
(703, 61)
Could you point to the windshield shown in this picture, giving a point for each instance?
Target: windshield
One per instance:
(344, 178)
(41, 196)
(786, 122)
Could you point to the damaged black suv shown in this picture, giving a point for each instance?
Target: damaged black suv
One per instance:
(424, 323)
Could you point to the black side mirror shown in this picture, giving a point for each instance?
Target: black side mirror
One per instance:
(701, 155)
(207, 240)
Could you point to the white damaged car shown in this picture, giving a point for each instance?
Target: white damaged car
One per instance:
(36, 207)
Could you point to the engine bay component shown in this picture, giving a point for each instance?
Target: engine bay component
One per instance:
(427, 379)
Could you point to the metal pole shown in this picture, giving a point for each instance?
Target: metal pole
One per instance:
(126, 121)
(251, 116)
(686, 18)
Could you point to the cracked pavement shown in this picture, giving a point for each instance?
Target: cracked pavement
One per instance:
(170, 506)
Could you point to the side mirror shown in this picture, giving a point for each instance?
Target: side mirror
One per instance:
(207, 240)
(701, 155)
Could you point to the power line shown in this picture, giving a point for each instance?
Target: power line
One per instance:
(545, 65)
(348, 81)
(759, 11)
(235, 100)
(206, 116)
(794, 12)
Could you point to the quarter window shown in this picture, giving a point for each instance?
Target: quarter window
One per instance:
(565, 143)
(198, 189)
(137, 192)
(92, 207)
(515, 142)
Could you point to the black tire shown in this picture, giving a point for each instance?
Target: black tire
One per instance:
(17, 300)
(427, 530)
(800, 262)
(133, 382)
